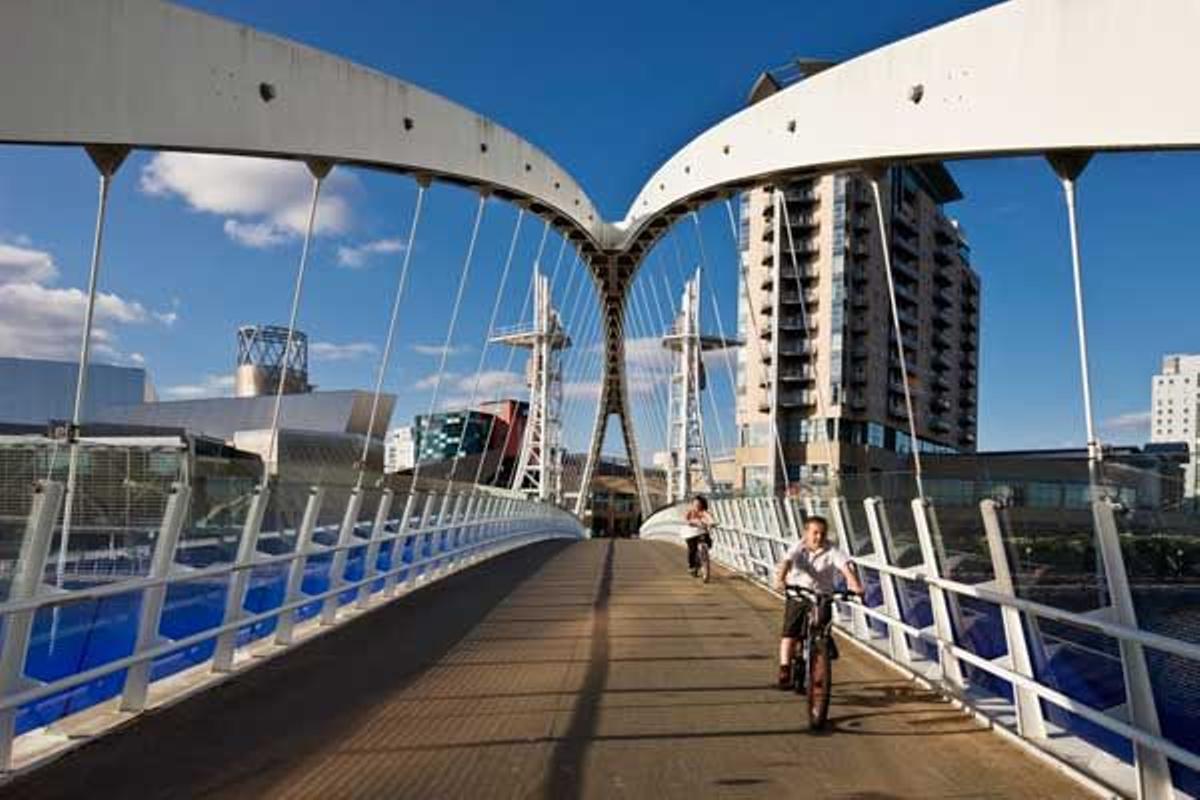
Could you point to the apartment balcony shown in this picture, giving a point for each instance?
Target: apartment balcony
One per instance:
(857, 376)
(967, 420)
(859, 352)
(859, 248)
(764, 405)
(968, 362)
(940, 382)
(896, 408)
(801, 248)
(858, 274)
(970, 305)
(967, 381)
(797, 399)
(941, 360)
(940, 403)
(944, 233)
(941, 323)
(971, 341)
(766, 331)
(795, 322)
(966, 403)
(803, 272)
(805, 222)
(856, 401)
(768, 281)
(860, 324)
(906, 267)
(943, 299)
(967, 438)
(794, 374)
(860, 222)
(939, 424)
(767, 307)
(906, 292)
(798, 348)
(908, 318)
(910, 246)
(768, 233)
(803, 197)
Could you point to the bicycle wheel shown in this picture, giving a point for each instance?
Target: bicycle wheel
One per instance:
(702, 554)
(820, 676)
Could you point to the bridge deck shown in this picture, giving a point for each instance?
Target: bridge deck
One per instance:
(595, 669)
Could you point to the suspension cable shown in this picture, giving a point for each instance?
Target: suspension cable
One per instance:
(487, 340)
(757, 338)
(822, 408)
(512, 352)
(385, 359)
(458, 296)
(887, 264)
(712, 296)
(273, 442)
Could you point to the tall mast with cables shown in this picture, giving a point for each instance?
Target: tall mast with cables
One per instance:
(688, 451)
(539, 465)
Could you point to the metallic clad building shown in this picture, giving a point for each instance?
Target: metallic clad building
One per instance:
(35, 391)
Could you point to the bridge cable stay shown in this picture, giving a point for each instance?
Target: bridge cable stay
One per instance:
(588, 362)
(107, 161)
(389, 340)
(562, 248)
(483, 352)
(664, 357)
(450, 328)
(756, 337)
(320, 170)
(648, 363)
(580, 357)
(822, 405)
(512, 353)
(887, 266)
(1151, 765)
(666, 327)
(508, 259)
(712, 296)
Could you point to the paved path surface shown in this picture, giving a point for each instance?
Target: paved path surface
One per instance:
(597, 669)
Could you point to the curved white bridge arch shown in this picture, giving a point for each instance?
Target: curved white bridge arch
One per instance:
(1026, 76)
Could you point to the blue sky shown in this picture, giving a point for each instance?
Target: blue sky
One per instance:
(195, 248)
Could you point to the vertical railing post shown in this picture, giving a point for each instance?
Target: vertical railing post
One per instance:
(26, 582)
(337, 568)
(303, 548)
(399, 543)
(1030, 722)
(876, 521)
(371, 559)
(843, 525)
(1153, 770)
(429, 522)
(137, 677)
(239, 580)
(925, 517)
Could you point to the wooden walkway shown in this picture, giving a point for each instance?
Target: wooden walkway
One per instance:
(598, 669)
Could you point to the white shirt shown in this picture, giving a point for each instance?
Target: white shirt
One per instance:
(815, 570)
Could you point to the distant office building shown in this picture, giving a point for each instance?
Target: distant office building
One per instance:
(1175, 406)
(400, 450)
(484, 441)
(36, 391)
(820, 367)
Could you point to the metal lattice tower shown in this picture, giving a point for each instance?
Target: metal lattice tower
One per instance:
(539, 465)
(688, 448)
(263, 359)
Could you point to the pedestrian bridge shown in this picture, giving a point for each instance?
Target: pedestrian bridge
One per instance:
(594, 668)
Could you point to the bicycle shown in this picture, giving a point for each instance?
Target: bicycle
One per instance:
(812, 670)
(702, 558)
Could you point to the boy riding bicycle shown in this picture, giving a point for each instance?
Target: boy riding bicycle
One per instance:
(700, 521)
(812, 563)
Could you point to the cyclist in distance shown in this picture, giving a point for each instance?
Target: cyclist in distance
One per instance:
(700, 521)
(814, 564)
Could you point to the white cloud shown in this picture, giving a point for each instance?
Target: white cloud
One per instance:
(458, 388)
(328, 351)
(20, 263)
(46, 322)
(211, 386)
(436, 349)
(265, 201)
(259, 235)
(167, 318)
(138, 359)
(1133, 425)
(356, 257)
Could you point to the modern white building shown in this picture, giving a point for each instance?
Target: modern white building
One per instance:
(400, 450)
(1175, 405)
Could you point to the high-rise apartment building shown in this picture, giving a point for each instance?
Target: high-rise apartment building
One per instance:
(1175, 411)
(821, 370)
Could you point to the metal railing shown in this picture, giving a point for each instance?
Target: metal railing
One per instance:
(279, 587)
(979, 641)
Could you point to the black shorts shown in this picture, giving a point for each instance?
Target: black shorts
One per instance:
(795, 617)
